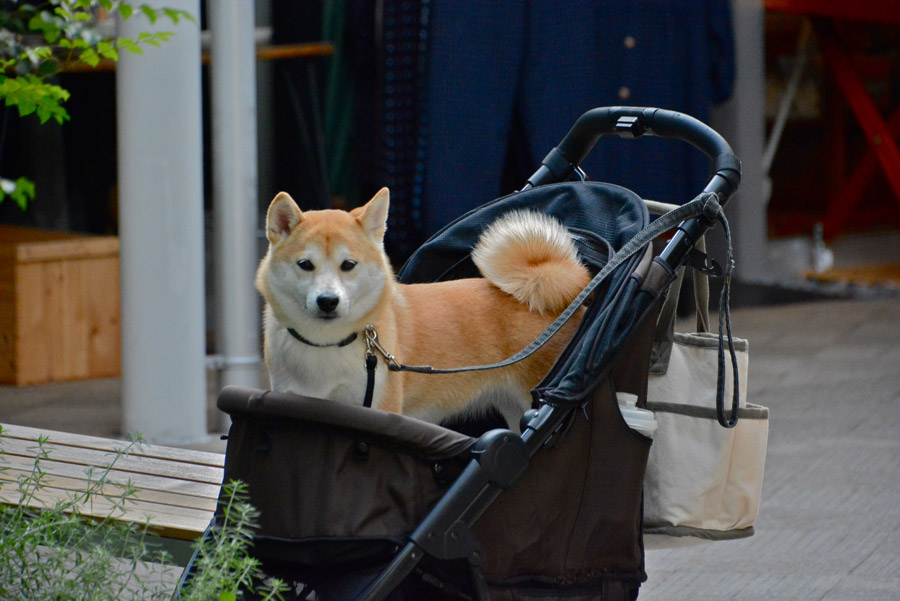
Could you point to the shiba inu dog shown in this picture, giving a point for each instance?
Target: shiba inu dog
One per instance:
(326, 278)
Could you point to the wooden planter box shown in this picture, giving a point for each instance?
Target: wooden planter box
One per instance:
(59, 306)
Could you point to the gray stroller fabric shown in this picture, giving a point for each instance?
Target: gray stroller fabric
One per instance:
(593, 211)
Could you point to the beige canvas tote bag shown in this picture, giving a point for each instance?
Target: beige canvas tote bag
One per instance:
(703, 480)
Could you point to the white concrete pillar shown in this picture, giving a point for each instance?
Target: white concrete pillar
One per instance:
(159, 124)
(741, 121)
(234, 154)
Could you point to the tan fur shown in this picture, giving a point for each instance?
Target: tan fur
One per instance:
(531, 273)
(531, 257)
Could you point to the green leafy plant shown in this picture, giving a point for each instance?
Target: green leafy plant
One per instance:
(39, 39)
(54, 552)
(224, 567)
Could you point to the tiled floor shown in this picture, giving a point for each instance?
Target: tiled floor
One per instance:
(829, 524)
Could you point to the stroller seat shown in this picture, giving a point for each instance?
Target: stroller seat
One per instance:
(335, 446)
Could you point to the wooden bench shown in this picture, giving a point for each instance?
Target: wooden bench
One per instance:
(175, 489)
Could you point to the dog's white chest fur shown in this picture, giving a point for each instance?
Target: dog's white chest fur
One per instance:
(333, 372)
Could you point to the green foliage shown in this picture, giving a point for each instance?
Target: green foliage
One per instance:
(30, 94)
(224, 567)
(20, 190)
(37, 40)
(53, 552)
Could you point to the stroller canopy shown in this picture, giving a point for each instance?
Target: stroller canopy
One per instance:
(602, 218)
(607, 211)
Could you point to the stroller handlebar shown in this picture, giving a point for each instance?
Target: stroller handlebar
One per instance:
(634, 122)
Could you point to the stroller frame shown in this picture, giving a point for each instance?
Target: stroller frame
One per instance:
(499, 458)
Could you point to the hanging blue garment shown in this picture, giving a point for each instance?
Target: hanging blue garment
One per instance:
(512, 69)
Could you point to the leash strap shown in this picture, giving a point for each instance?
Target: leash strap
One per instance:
(705, 203)
(371, 364)
(725, 330)
(662, 224)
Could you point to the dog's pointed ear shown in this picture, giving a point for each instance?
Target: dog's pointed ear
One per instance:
(282, 217)
(373, 215)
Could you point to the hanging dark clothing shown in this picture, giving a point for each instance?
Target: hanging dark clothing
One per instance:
(468, 96)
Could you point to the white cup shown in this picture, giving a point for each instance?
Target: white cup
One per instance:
(641, 420)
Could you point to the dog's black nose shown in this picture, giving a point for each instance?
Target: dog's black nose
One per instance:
(328, 302)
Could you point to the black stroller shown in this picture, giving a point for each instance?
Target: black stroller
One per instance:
(360, 504)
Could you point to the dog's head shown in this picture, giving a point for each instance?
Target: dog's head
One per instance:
(325, 270)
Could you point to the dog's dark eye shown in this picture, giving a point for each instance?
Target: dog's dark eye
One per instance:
(306, 265)
(348, 265)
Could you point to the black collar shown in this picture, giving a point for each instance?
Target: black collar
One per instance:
(342, 343)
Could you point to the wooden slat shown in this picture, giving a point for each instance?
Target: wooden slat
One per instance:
(124, 463)
(110, 445)
(183, 524)
(53, 467)
(101, 506)
(193, 492)
(283, 51)
(8, 361)
(80, 298)
(176, 489)
(112, 486)
(64, 250)
(887, 274)
(26, 245)
(263, 53)
(103, 335)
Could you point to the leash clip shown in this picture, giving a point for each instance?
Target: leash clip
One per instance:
(373, 345)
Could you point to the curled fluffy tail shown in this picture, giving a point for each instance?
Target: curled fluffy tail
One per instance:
(531, 257)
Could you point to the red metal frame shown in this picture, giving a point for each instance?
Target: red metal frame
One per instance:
(850, 194)
(881, 11)
(878, 134)
(883, 150)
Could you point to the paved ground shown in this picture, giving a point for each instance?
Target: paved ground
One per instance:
(89, 407)
(829, 527)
